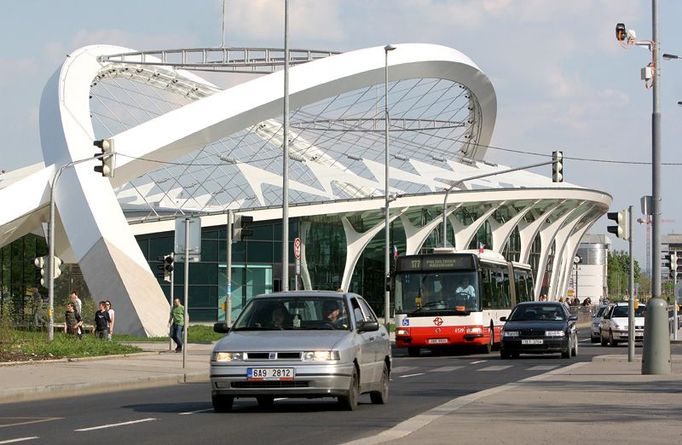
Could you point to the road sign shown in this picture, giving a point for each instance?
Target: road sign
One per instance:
(194, 239)
(297, 248)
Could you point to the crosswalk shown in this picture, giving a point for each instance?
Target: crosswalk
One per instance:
(476, 366)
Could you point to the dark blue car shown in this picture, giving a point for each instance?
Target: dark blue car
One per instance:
(535, 327)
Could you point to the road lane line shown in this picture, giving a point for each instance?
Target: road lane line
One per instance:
(189, 413)
(411, 375)
(496, 368)
(26, 420)
(542, 367)
(419, 421)
(447, 368)
(19, 439)
(114, 425)
(478, 361)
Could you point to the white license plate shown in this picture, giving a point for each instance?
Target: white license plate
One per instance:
(270, 373)
(531, 342)
(436, 341)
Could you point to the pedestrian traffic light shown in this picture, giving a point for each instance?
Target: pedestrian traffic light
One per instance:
(557, 166)
(42, 264)
(622, 229)
(674, 264)
(240, 228)
(106, 157)
(168, 261)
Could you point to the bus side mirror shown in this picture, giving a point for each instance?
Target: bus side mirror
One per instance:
(503, 318)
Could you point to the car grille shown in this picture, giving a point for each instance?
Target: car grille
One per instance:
(273, 356)
(271, 384)
(532, 333)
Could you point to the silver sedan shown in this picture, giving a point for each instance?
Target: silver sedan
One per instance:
(302, 344)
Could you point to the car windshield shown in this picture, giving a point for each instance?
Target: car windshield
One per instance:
(537, 312)
(293, 313)
(622, 311)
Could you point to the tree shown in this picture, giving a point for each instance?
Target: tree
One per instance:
(619, 273)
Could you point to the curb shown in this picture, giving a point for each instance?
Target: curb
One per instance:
(674, 358)
(58, 391)
(77, 359)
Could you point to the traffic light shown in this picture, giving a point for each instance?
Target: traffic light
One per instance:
(42, 264)
(557, 166)
(240, 228)
(106, 157)
(168, 261)
(622, 230)
(673, 260)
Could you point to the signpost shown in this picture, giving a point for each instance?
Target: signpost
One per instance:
(187, 248)
(297, 254)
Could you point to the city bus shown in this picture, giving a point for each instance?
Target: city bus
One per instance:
(449, 298)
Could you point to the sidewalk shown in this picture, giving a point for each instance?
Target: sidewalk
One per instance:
(59, 378)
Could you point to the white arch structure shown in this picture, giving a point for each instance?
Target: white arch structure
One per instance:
(93, 231)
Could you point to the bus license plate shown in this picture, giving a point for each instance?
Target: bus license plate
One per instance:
(437, 340)
(270, 373)
(531, 342)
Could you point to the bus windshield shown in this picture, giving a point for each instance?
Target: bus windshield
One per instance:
(442, 292)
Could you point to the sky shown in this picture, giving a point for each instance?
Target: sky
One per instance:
(561, 79)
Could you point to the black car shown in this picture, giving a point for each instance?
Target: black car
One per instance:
(535, 327)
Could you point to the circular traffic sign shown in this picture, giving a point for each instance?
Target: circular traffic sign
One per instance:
(297, 248)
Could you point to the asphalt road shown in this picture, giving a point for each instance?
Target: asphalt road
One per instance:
(183, 414)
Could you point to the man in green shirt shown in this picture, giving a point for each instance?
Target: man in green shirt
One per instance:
(177, 323)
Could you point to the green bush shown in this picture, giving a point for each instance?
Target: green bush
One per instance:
(36, 344)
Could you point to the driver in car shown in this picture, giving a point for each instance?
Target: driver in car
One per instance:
(334, 314)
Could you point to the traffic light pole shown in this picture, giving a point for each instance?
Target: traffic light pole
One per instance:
(675, 314)
(186, 326)
(631, 292)
(228, 298)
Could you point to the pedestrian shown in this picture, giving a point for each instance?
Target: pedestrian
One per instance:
(73, 296)
(112, 318)
(176, 322)
(102, 321)
(72, 321)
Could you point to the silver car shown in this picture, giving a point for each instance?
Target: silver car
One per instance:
(595, 327)
(302, 344)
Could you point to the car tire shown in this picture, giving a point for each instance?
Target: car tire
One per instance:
(265, 401)
(413, 352)
(567, 352)
(574, 351)
(594, 339)
(350, 401)
(612, 342)
(604, 341)
(222, 404)
(381, 397)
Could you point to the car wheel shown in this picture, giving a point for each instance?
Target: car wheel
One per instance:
(567, 352)
(574, 351)
(381, 397)
(350, 401)
(604, 341)
(222, 404)
(265, 401)
(413, 352)
(594, 339)
(612, 342)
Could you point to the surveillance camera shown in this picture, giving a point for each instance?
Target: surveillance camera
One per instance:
(620, 32)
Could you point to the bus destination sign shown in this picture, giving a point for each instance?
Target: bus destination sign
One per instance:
(436, 262)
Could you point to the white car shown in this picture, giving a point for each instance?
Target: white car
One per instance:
(596, 323)
(614, 325)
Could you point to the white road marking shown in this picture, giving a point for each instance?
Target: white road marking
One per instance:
(446, 368)
(113, 425)
(495, 368)
(281, 398)
(542, 368)
(412, 424)
(478, 361)
(399, 369)
(19, 439)
(412, 375)
(27, 420)
(189, 413)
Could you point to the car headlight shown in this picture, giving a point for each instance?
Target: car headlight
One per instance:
(510, 333)
(555, 333)
(402, 331)
(227, 356)
(321, 356)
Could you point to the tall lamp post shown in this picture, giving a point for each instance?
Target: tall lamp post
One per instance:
(387, 256)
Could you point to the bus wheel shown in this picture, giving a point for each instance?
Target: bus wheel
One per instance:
(413, 352)
(491, 341)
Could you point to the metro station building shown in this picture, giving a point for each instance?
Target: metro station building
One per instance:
(186, 146)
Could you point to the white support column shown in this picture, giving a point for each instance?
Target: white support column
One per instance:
(528, 232)
(464, 234)
(547, 234)
(560, 238)
(416, 236)
(501, 232)
(570, 249)
(305, 273)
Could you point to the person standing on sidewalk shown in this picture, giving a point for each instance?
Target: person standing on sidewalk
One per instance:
(73, 321)
(76, 301)
(112, 318)
(177, 323)
(102, 321)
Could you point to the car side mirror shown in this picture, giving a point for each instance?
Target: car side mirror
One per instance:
(503, 318)
(368, 326)
(221, 328)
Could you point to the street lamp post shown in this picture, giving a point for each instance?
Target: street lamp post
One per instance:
(387, 256)
(285, 156)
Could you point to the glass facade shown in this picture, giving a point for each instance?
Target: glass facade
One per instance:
(20, 279)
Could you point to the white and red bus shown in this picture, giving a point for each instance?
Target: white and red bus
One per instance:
(450, 298)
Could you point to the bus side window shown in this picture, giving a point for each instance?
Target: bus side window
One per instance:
(487, 291)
